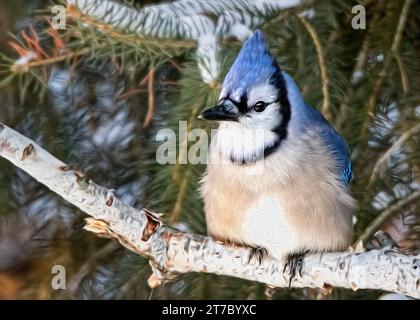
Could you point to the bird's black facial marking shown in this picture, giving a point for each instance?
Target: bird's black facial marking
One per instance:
(270, 149)
(277, 80)
(242, 104)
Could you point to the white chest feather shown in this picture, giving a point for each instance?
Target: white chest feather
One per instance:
(236, 142)
(266, 225)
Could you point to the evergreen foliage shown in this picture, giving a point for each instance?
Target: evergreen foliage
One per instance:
(89, 99)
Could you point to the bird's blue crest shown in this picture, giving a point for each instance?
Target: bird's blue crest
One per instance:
(253, 65)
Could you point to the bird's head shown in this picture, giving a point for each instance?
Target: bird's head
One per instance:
(254, 93)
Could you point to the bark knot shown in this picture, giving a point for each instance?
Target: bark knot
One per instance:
(153, 222)
(28, 151)
(109, 199)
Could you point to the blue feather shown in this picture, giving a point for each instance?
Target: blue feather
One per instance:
(334, 141)
(253, 65)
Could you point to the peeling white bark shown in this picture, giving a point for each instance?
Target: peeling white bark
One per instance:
(172, 252)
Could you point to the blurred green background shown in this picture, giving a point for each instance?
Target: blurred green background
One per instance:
(94, 111)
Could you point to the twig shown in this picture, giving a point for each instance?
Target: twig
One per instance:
(150, 98)
(130, 93)
(40, 63)
(171, 252)
(395, 146)
(403, 74)
(182, 192)
(322, 65)
(176, 174)
(277, 20)
(385, 215)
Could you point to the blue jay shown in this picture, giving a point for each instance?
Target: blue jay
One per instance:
(299, 199)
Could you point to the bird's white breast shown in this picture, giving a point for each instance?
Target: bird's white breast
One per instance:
(265, 224)
(234, 141)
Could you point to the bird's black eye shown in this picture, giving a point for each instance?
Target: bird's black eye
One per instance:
(260, 106)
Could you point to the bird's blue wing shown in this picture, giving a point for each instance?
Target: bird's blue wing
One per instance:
(334, 141)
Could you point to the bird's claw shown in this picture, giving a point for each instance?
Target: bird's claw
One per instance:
(294, 264)
(257, 253)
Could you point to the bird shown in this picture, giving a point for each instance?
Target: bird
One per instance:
(278, 174)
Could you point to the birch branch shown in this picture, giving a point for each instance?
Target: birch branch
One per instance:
(172, 252)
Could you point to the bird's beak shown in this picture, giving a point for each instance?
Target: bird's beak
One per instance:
(221, 112)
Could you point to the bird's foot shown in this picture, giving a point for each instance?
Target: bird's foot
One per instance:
(294, 264)
(257, 253)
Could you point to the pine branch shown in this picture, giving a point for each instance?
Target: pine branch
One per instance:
(181, 18)
(172, 252)
(358, 71)
(186, 19)
(372, 102)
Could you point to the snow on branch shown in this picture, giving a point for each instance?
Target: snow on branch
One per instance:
(188, 19)
(172, 252)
